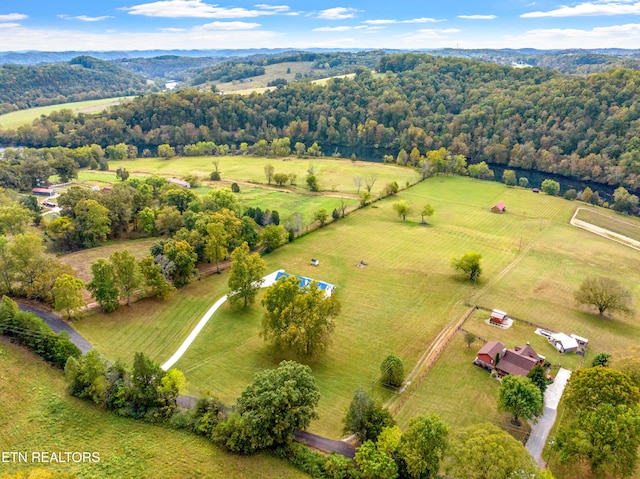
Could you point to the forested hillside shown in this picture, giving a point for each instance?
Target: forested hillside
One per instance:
(583, 127)
(169, 67)
(82, 78)
(324, 65)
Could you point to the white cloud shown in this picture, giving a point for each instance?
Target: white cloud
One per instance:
(273, 8)
(337, 13)
(9, 25)
(590, 9)
(228, 26)
(478, 17)
(85, 18)
(627, 35)
(413, 20)
(173, 29)
(9, 17)
(23, 38)
(344, 28)
(196, 9)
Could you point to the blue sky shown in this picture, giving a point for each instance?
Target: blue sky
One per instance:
(200, 24)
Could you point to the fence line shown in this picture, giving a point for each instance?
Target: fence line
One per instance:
(433, 356)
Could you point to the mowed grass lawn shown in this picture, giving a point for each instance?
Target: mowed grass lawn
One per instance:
(39, 415)
(81, 261)
(397, 304)
(333, 175)
(25, 117)
(538, 288)
(624, 225)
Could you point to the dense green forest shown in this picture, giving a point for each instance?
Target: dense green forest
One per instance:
(82, 78)
(582, 127)
(169, 67)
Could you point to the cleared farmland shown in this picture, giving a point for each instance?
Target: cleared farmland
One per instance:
(532, 262)
(39, 415)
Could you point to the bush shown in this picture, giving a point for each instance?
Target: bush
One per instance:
(303, 459)
(235, 188)
(29, 330)
(392, 371)
(215, 176)
(570, 195)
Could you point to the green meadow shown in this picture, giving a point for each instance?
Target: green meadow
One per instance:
(25, 117)
(39, 415)
(533, 261)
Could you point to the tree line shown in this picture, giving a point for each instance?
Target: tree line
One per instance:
(582, 127)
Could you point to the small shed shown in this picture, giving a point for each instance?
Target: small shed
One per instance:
(498, 317)
(43, 191)
(564, 343)
(536, 190)
(181, 183)
(499, 208)
(314, 262)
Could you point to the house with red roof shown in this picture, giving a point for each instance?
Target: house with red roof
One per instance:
(494, 356)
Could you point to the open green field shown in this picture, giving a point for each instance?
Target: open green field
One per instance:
(615, 222)
(334, 175)
(279, 70)
(25, 117)
(533, 261)
(287, 203)
(81, 261)
(39, 415)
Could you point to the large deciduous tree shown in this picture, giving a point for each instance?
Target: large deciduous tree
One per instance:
(601, 424)
(374, 464)
(365, 418)
(402, 209)
(605, 294)
(245, 276)
(519, 396)
(485, 451)
(103, 286)
(126, 272)
(67, 294)
(277, 403)
(92, 222)
(392, 371)
(422, 446)
(217, 242)
(298, 318)
(607, 437)
(469, 264)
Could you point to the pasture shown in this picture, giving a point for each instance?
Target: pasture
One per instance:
(624, 225)
(25, 117)
(333, 175)
(39, 415)
(397, 304)
(286, 70)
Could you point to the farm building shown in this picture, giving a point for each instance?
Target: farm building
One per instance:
(518, 361)
(181, 183)
(304, 281)
(500, 318)
(499, 208)
(43, 191)
(564, 343)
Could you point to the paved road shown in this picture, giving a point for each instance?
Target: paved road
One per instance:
(325, 445)
(540, 430)
(57, 325)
